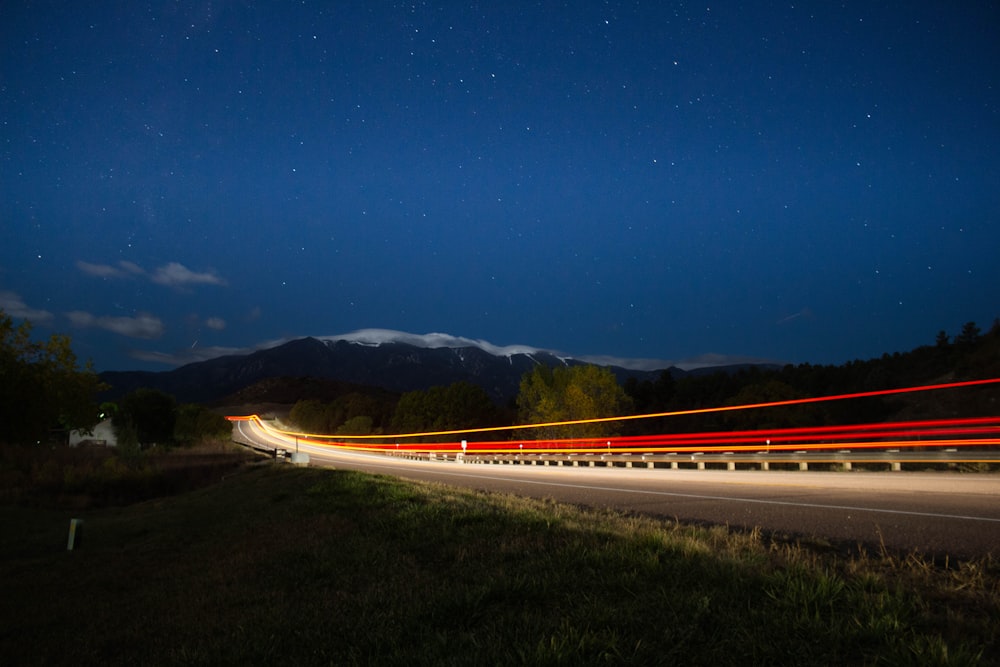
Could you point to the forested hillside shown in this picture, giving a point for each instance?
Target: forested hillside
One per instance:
(968, 355)
(965, 356)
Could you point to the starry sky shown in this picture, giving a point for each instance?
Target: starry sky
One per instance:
(793, 181)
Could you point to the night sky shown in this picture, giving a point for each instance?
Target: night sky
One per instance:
(801, 182)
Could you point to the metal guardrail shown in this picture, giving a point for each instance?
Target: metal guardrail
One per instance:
(840, 460)
(844, 459)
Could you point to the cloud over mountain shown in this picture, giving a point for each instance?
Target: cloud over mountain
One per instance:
(392, 360)
(375, 337)
(429, 340)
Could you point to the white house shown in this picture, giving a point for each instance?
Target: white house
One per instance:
(103, 434)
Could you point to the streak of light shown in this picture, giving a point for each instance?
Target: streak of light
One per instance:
(676, 413)
(978, 431)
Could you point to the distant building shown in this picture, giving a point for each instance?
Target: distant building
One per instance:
(103, 434)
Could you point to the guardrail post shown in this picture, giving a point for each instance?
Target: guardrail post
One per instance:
(803, 465)
(731, 465)
(701, 465)
(896, 466)
(765, 465)
(847, 466)
(673, 465)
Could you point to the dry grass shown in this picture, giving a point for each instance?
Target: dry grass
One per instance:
(279, 565)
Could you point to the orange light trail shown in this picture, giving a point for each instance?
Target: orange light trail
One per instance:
(979, 431)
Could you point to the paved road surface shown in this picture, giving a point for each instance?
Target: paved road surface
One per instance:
(934, 513)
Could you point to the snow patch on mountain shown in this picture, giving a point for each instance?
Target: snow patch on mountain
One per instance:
(376, 337)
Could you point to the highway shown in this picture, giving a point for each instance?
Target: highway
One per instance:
(938, 514)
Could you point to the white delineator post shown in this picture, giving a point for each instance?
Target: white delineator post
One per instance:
(75, 533)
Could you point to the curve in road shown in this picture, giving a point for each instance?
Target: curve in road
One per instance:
(938, 514)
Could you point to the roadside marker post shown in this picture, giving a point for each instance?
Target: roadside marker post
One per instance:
(75, 534)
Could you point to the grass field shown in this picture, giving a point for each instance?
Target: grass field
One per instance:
(277, 565)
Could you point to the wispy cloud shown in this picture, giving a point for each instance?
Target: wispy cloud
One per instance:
(178, 275)
(131, 267)
(121, 270)
(172, 274)
(187, 356)
(215, 323)
(140, 326)
(12, 304)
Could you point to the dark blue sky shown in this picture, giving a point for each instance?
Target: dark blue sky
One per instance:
(793, 181)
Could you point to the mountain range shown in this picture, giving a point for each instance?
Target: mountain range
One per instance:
(394, 361)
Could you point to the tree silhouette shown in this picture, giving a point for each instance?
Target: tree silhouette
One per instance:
(152, 413)
(42, 392)
(460, 405)
(970, 334)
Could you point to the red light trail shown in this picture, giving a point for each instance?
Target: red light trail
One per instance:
(968, 432)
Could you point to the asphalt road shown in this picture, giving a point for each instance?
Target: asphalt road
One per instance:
(938, 514)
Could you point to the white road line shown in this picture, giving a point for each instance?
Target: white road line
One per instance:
(707, 497)
(672, 494)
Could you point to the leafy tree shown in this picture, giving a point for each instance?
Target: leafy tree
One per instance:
(357, 404)
(569, 393)
(152, 413)
(128, 439)
(414, 412)
(315, 416)
(651, 396)
(41, 388)
(771, 391)
(213, 425)
(196, 422)
(360, 425)
(460, 405)
(312, 416)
